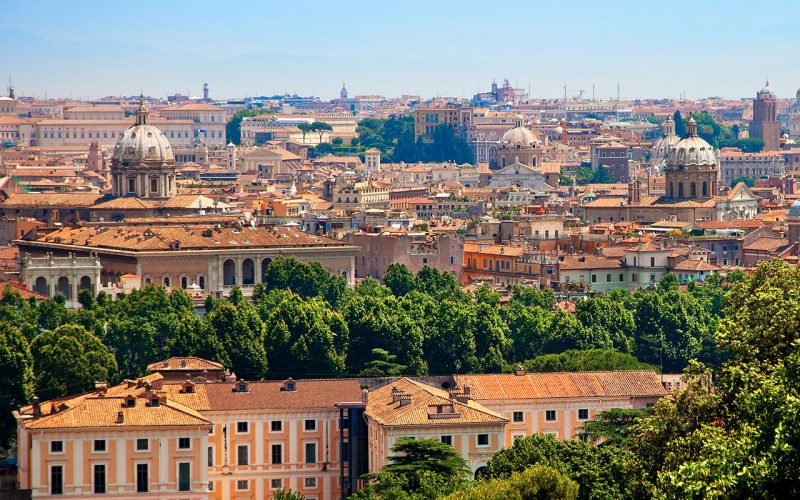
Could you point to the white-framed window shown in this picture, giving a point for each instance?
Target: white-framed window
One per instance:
(310, 424)
(184, 443)
(276, 453)
(242, 427)
(142, 477)
(448, 440)
(550, 415)
(276, 426)
(211, 456)
(518, 416)
(57, 479)
(99, 478)
(276, 483)
(310, 482)
(56, 447)
(184, 475)
(242, 485)
(482, 440)
(99, 446)
(310, 453)
(583, 414)
(142, 444)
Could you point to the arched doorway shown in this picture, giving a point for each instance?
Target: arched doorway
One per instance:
(85, 283)
(62, 287)
(264, 263)
(40, 286)
(248, 272)
(229, 273)
(480, 473)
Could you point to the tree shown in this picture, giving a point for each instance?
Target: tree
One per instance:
(399, 279)
(601, 176)
(413, 457)
(133, 344)
(242, 335)
(303, 337)
(306, 280)
(748, 181)
(587, 360)
(450, 346)
(16, 377)
(382, 365)
(233, 129)
(534, 483)
(438, 284)
(680, 126)
(305, 128)
(609, 314)
(601, 472)
(320, 128)
(68, 360)
(287, 494)
(612, 427)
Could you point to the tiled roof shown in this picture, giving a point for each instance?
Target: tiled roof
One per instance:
(731, 224)
(159, 238)
(383, 410)
(505, 250)
(695, 265)
(576, 262)
(184, 364)
(634, 383)
(308, 393)
(767, 244)
(51, 200)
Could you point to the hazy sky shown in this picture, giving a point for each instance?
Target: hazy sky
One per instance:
(430, 47)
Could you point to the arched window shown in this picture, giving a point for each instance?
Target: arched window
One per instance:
(166, 281)
(62, 287)
(264, 263)
(229, 273)
(692, 190)
(248, 272)
(705, 189)
(201, 282)
(85, 283)
(184, 282)
(671, 189)
(40, 286)
(680, 190)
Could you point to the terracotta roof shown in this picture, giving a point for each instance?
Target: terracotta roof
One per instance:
(633, 383)
(767, 244)
(184, 364)
(695, 265)
(731, 224)
(425, 400)
(192, 106)
(308, 393)
(160, 238)
(508, 251)
(51, 200)
(575, 262)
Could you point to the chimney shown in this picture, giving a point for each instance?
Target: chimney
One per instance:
(519, 370)
(364, 394)
(405, 399)
(395, 394)
(120, 417)
(37, 407)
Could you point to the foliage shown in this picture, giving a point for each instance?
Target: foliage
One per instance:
(16, 376)
(601, 472)
(602, 176)
(241, 333)
(382, 365)
(69, 360)
(306, 280)
(534, 483)
(233, 129)
(612, 427)
(395, 138)
(287, 494)
(589, 360)
(420, 468)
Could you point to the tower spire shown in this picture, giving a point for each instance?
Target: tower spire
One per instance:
(141, 113)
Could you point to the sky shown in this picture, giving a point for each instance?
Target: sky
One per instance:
(89, 49)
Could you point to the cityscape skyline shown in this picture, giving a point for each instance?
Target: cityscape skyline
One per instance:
(75, 50)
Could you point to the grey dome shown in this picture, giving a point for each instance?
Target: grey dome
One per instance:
(142, 143)
(691, 150)
(519, 135)
(794, 210)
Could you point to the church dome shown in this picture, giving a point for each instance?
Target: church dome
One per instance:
(692, 149)
(142, 143)
(664, 145)
(797, 95)
(766, 90)
(519, 136)
(794, 210)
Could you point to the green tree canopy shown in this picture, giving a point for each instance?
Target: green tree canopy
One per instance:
(16, 376)
(534, 483)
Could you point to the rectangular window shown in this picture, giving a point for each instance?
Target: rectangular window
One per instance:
(184, 444)
(483, 440)
(142, 478)
(56, 446)
(517, 416)
(276, 484)
(583, 414)
(594, 278)
(311, 425)
(211, 456)
(153, 185)
(242, 455)
(652, 262)
(99, 445)
(99, 478)
(550, 415)
(448, 440)
(242, 485)
(184, 476)
(56, 480)
(277, 454)
(142, 444)
(276, 426)
(608, 278)
(242, 427)
(311, 453)
(310, 482)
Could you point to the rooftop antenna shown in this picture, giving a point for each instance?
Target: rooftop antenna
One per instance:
(617, 93)
(593, 100)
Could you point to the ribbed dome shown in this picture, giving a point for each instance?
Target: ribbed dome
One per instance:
(664, 145)
(142, 143)
(519, 135)
(794, 210)
(691, 150)
(766, 90)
